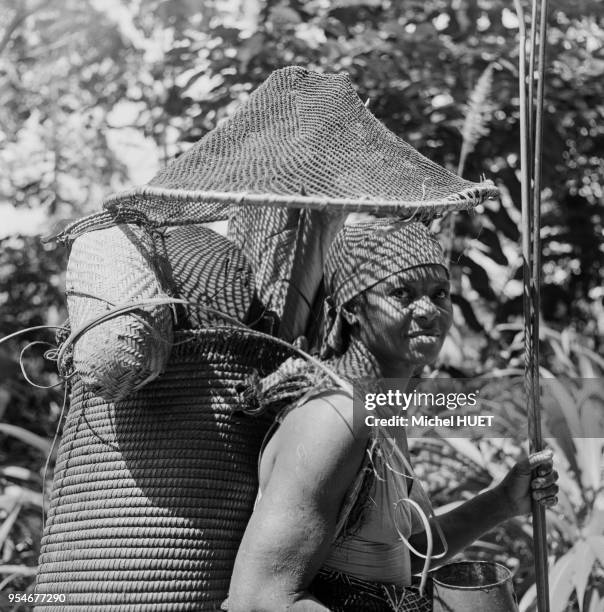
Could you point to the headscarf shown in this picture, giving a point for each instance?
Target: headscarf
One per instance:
(363, 254)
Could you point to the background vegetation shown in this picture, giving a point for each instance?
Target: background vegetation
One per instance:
(96, 95)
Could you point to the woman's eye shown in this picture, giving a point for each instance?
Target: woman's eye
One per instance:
(441, 294)
(401, 293)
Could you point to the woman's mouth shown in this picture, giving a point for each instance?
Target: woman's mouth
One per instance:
(422, 333)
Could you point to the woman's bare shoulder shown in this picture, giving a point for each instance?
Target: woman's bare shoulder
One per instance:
(320, 433)
(326, 425)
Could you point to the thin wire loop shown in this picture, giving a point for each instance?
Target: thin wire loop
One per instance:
(50, 454)
(26, 376)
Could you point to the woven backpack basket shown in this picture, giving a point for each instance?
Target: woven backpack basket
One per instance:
(152, 494)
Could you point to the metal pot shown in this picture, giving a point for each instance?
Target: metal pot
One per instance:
(473, 585)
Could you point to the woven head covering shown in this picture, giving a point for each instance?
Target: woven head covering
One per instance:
(362, 255)
(301, 140)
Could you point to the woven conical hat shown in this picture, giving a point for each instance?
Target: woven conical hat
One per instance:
(302, 140)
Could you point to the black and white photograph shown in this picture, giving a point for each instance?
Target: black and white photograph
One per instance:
(301, 306)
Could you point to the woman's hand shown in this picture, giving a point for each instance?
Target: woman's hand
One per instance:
(532, 478)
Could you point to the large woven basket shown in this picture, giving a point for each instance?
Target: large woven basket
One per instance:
(152, 494)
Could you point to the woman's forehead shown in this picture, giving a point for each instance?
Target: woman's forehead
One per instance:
(424, 273)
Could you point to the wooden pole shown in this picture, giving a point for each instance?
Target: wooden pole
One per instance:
(531, 255)
(539, 521)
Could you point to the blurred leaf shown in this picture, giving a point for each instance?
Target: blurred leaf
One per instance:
(597, 545)
(249, 49)
(478, 277)
(18, 569)
(528, 599)
(490, 238)
(8, 523)
(504, 224)
(16, 494)
(467, 449)
(17, 472)
(585, 559)
(29, 438)
(595, 602)
(477, 116)
(564, 405)
(467, 312)
(561, 580)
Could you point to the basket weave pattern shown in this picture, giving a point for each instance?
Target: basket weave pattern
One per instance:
(152, 495)
(106, 268)
(207, 269)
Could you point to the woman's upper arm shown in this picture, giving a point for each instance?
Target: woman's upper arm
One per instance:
(316, 457)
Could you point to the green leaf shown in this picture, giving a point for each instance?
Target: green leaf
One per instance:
(589, 456)
(42, 444)
(467, 449)
(8, 523)
(566, 527)
(585, 559)
(586, 367)
(528, 600)
(597, 545)
(15, 494)
(17, 472)
(468, 312)
(22, 570)
(479, 279)
(491, 240)
(561, 580)
(478, 115)
(565, 405)
(594, 602)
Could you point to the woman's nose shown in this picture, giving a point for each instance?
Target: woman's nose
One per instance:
(424, 309)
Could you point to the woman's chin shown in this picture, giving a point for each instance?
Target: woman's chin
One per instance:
(424, 349)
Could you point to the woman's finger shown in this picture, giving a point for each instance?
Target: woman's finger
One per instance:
(536, 461)
(542, 461)
(541, 457)
(542, 470)
(544, 481)
(542, 494)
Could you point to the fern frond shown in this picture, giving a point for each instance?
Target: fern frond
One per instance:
(479, 111)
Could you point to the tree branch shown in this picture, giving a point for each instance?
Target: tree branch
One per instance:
(21, 15)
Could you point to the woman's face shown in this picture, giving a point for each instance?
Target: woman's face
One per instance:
(404, 319)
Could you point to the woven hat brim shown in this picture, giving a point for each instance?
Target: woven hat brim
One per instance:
(136, 206)
(302, 140)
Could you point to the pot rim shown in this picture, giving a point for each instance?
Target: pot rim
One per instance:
(477, 587)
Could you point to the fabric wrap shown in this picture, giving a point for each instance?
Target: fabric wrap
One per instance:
(362, 255)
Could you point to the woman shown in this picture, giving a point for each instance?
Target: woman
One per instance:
(338, 508)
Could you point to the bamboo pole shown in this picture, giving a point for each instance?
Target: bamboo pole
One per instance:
(531, 272)
(539, 521)
(531, 75)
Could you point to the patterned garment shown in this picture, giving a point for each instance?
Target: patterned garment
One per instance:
(344, 593)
